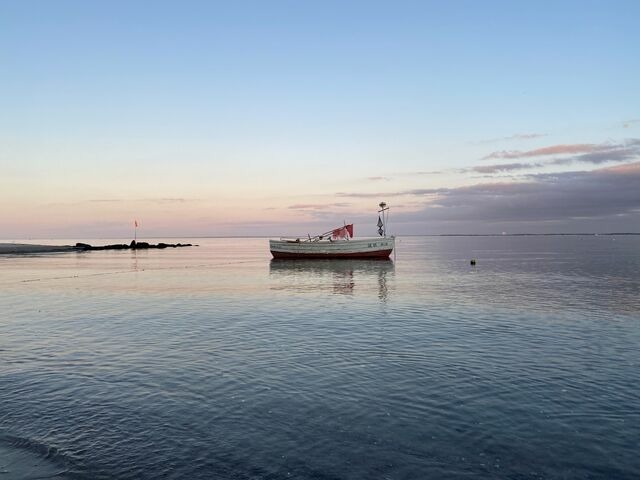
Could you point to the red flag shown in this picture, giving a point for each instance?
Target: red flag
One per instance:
(136, 223)
(338, 233)
(343, 232)
(349, 229)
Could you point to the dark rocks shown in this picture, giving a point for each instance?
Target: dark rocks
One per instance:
(118, 246)
(132, 246)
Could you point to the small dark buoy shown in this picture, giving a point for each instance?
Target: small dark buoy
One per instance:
(473, 261)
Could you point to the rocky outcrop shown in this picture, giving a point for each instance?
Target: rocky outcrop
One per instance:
(132, 246)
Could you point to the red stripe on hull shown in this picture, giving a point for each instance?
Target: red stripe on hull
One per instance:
(376, 254)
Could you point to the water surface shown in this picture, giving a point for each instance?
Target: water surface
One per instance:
(217, 362)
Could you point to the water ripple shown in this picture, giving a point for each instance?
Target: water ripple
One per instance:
(217, 363)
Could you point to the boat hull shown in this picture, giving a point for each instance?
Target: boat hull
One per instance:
(372, 248)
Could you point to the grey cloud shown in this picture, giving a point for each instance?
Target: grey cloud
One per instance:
(362, 195)
(417, 192)
(543, 197)
(577, 153)
(317, 206)
(433, 172)
(423, 191)
(617, 155)
(506, 167)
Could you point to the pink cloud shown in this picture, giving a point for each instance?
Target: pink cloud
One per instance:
(623, 169)
(377, 178)
(316, 206)
(552, 150)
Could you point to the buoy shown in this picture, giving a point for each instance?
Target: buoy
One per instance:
(473, 261)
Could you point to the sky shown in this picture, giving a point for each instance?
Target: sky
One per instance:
(286, 117)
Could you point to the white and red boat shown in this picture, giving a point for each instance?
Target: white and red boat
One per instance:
(337, 243)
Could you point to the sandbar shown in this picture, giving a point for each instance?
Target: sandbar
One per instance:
(22, 248)
(23, 464)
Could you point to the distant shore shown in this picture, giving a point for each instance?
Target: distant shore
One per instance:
(20, 248)
(27, 248)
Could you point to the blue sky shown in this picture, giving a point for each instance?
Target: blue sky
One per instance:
(267, 117)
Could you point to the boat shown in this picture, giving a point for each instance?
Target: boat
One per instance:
(337, 243)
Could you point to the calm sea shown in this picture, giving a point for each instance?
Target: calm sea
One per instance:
(214, 362)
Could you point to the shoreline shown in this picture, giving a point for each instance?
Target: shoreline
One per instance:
(28, 248)
(23, 463)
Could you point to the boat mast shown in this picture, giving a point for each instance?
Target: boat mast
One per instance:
(383, 209)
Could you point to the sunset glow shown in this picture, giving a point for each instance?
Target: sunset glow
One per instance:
(267, 119)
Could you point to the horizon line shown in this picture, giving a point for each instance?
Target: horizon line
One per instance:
(525, 234)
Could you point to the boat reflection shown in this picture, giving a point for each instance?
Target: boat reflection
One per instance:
(343, 277)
